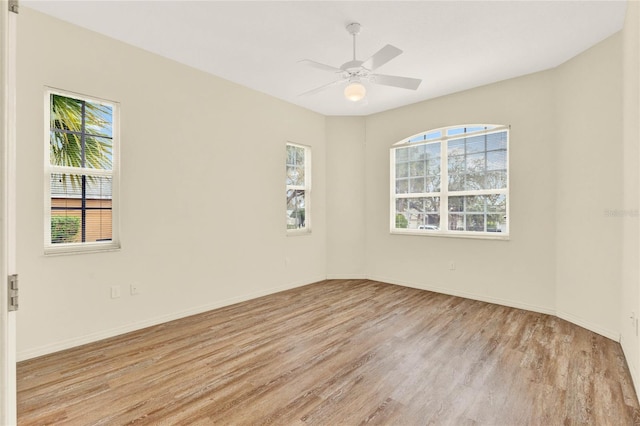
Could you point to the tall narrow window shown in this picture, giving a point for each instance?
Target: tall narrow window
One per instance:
(452, 181)
(81, 170)
(298, 184)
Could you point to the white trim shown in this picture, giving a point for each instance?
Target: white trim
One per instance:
(347, 276)
(161, 319)
(452, 234)
(8, 50)
(613, 335)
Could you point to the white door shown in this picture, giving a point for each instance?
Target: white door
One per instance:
(8, 23)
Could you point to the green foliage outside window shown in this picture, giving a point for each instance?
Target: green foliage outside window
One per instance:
(64, 229)
(401, 221)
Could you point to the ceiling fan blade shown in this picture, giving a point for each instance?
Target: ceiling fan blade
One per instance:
(396, 81)
(320, 66)
(321, 88)
(381, 57)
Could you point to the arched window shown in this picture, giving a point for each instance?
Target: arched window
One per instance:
(452, 181)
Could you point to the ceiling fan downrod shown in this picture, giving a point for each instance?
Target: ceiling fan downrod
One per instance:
(354, 29)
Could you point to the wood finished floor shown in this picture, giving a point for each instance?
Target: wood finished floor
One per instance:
(339, 352)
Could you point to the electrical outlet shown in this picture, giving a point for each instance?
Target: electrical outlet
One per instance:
(452, 265)
(134, 289)
(115, 291)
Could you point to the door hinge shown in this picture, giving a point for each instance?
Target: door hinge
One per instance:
(14, 6)
(13, 292)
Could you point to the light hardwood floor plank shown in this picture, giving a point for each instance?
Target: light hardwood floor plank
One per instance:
(350, 352)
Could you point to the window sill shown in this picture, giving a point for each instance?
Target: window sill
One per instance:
(298, 232)
(456, 234)
(80, 248)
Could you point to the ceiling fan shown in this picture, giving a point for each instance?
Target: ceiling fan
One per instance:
(355, 72)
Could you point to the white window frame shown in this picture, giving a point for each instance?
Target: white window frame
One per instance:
(83, 247)
(306, 188)
(444, 192)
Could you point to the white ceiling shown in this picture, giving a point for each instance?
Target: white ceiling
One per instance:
(450, 45)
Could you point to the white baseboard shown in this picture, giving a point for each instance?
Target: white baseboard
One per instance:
(467, 295)
(112, 332)
(346, 276)
(588, 325)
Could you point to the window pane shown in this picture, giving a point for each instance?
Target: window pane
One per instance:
(299, 155)
(433, 150)
(496, 223)
(456, 222)
(78, 219)
(497, 141)
(497, 160)
(455, 147)
(434, 135)
(295, 175)
(417, 185)
(418, 212)
(456, 131)
(456, 182)
(474, 203)
(416, 204)
(295, 209)
(81, 133)
(402, 186)
(432, 204)
(433, 166)
(456, 204)
(416, 152)
(496, 203)
(432, 184)
(417, 168)
(65, 149)
(474, 181)
(474, 129)
(475, 222)
(402, 154)
(475, 144)
(98, 153)
(99, 119)
(402, 169)
(65, 222)
(475, 163)
(496, 180)
(402, 205)
(65, 113)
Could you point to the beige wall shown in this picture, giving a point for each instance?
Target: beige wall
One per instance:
(588, 150)
(346, 216)
(519, 272)
(215, 148)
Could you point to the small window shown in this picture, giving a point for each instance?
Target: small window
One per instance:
(452, 181)
(81, 169)
(298, 184)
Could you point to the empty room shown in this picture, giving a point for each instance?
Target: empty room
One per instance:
(320, 212)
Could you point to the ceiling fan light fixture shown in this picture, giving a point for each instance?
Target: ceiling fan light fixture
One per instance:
(355, 91)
